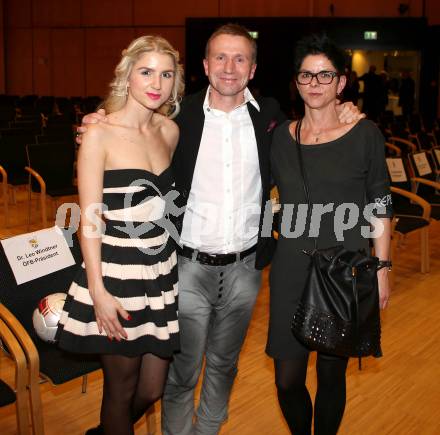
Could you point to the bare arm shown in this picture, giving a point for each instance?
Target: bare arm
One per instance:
(382, 251)
(91, 161)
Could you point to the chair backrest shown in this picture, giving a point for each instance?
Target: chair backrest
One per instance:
(54, 162)
(42, 139)
(425, 140)
(405, 145)
(13, 156)
(22, 299)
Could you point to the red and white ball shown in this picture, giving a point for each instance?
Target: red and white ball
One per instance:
(47, 316)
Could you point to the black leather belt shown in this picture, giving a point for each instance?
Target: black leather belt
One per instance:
(215, 259)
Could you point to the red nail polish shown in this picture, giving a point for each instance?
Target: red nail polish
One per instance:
(129, 317)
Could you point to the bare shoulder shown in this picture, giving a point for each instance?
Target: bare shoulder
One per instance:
(168, 129)
(94, 140)
(96, 132)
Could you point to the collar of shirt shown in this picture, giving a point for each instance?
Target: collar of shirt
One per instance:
(248, 98)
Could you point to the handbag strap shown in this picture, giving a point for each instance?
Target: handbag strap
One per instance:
(304, 175)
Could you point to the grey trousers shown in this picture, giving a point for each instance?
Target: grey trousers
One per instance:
(215, 308)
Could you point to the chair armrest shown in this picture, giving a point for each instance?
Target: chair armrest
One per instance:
(408, 143)
(393, 147)
(24, 339)
(426, 206)
(38, 177)
(17, 353)
(4, 175)
(431, 183)
(21, 377)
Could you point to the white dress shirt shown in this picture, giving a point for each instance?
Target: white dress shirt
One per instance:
(224, 204)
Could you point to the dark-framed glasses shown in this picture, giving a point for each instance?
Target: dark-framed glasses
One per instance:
(323, 77)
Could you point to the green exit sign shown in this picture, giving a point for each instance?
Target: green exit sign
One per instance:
(369, 35)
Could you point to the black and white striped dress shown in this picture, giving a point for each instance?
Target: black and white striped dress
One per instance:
(139, 268)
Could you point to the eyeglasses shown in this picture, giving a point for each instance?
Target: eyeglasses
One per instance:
(323, 77)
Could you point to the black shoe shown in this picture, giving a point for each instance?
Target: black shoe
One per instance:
(98, 430)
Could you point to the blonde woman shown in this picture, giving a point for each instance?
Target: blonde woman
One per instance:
(123, 302)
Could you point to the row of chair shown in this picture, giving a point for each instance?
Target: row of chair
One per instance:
(414, 175)
(33, 106)
(50, 173)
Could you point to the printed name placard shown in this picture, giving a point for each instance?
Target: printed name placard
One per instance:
(396, 170)
(422, 164)
(37, 254)
(437, 155)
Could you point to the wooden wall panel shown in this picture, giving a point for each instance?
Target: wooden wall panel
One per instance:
(56, 13)
(19, 74)
(264, 8)
(370, 8)
(174, 35)
(107, 12)
(18, 13)
(173, 12)
(103, 52)
(42, 61)
(68, 78)
(433, 12)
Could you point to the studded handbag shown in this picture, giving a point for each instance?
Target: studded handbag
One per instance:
(338, 312)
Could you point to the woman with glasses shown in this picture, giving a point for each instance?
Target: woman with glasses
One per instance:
(346, 170)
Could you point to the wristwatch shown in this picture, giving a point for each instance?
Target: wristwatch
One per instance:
(384, 263)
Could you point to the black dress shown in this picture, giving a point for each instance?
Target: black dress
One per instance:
(139, 268)
(345, 174)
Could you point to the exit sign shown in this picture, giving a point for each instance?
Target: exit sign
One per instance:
(369, 35)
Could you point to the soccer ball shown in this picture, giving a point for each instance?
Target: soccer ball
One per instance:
(47, 316)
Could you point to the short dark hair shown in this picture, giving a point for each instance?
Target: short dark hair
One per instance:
(319, 44)
(234, 30)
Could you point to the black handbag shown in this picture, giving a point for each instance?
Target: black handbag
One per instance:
(338, 313)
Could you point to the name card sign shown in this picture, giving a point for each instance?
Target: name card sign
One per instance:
(37, 254)
(437, 156)
(396, 170)
(422, 164)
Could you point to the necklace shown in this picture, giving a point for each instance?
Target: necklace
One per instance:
(316, 135)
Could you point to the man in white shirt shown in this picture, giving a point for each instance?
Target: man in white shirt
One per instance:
(222, 170)
(221, 167)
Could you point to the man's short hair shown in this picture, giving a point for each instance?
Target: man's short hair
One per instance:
(234, 30)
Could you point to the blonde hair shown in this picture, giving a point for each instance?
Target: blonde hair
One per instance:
(117, 96)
